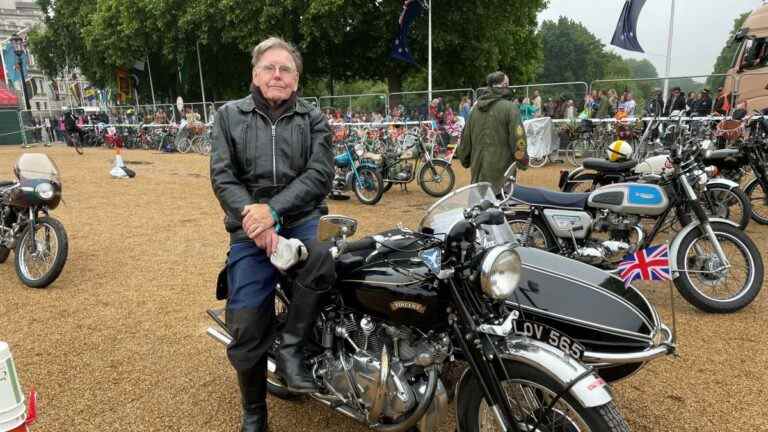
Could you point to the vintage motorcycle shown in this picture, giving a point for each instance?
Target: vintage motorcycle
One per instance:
(539, 343)
(715, 265)
(38, 239)
(357, 169)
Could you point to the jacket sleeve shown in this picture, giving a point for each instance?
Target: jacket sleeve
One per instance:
(230, 192)
(465, 145)
(315, 182)
(518, 140)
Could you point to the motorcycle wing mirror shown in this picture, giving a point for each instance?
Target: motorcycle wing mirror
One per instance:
(336, 227)
(739, 114)
(491, 217)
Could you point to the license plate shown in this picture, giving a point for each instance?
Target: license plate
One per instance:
(548, 335)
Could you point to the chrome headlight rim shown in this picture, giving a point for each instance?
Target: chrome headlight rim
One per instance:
(45, 190)
(490, 277)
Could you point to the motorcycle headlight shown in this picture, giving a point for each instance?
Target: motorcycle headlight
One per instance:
(500, 272)
(359, 149)
(44, 190)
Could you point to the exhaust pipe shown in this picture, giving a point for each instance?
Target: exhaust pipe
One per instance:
(219, 336)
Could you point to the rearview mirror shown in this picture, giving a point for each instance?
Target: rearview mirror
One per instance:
(336, 227)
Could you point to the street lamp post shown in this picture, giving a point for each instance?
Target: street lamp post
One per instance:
(19, 45)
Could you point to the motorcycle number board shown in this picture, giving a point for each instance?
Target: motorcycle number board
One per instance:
(548, 335)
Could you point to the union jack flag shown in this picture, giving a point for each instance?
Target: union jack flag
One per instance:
(651, 263)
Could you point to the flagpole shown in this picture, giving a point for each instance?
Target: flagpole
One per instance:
(202, 87)
(669, 50)
(151, 86)
(429, 55)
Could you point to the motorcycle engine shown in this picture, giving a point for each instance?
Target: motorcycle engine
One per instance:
(611, 248)
(380, 371)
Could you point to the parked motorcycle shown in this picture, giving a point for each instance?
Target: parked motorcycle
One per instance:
(414, 160)
(39, 240)
(409, 304)
(357, 169)
(721, 197)
(715, 265)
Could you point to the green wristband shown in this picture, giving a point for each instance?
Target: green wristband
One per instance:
(276, 218)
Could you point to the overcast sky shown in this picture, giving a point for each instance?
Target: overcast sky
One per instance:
(700, 30)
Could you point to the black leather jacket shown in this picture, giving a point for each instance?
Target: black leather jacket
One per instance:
(288, 164)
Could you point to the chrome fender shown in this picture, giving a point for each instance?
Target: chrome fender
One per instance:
(730, 184)
(590, 390)
(679, 239)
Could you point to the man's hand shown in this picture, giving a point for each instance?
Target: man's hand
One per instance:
(267, 241)
(257, 218)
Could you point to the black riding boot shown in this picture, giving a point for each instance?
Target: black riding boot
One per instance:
(253, 391)
(298, 327)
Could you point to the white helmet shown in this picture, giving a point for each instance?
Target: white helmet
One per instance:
(619, 151)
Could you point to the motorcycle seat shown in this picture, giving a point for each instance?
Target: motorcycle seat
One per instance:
(603, 165)
(548, 198)
(718, 155)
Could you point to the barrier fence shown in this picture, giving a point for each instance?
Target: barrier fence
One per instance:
(350, 105)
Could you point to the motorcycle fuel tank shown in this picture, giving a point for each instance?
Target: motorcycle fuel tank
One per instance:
(631, 198)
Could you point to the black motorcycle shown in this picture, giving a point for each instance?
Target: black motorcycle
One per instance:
(540, 334)
(38, 239)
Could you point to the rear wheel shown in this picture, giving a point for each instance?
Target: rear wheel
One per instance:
(758, 199)
(530, 393)
(584, 182)
(538, 162)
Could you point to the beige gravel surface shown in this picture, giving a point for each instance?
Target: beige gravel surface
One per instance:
(118, 342)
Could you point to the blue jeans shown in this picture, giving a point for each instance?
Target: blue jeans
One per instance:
(251, 276)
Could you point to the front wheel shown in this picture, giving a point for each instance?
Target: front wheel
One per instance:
(369, 187)
(438, 179)
(530, 393)
(758, 199)
(706, 282)
(536, 235)
(720, 201)
(40, 255)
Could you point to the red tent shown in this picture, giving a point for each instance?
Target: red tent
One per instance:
(8, 97)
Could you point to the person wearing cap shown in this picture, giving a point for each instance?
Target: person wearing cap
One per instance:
(704, 105)
(676, 102)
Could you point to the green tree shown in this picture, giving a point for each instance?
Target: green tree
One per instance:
(727, 54)
(342, 40)
(571, 53)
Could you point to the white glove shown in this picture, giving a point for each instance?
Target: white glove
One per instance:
(288, 253)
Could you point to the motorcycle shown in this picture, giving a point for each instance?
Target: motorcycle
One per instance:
(603, 226)
(357, 169)
(408, 305)
(38, 240)
(721, 197)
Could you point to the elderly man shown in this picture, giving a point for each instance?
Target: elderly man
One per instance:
(494, 136)
(271, 168)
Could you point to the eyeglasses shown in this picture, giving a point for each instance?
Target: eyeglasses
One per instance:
(283, 69)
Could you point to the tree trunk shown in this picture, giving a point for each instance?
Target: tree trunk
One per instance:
(394, 85)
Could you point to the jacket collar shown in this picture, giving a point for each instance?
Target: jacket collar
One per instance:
(246, 104)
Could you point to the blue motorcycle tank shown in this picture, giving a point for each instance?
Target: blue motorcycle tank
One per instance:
(630, 198)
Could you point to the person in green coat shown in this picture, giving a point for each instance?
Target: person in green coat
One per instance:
(494, 136)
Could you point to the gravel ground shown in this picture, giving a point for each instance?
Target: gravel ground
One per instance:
(118, 342)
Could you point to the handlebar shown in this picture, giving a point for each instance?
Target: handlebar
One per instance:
(357, 245)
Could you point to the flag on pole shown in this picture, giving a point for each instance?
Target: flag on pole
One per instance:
(651, 263)
(625, 35)
(400, 51)
(12, 71)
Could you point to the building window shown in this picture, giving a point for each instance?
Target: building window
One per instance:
(45, 104)
(37, 104)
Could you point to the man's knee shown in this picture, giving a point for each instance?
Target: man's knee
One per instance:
(318, 271)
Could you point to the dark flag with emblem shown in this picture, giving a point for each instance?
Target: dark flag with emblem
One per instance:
(400, 51)
(625, 35)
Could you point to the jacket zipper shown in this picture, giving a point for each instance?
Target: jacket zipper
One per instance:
(274, 139)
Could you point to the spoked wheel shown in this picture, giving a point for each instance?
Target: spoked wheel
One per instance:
(536, 236)
(706, 282)
(580, 183)
(530, 392)
(369, 187)
(40, 255)
(722, 202)
(437, 180)
(538, 162)
(578, 150)
(758, 199)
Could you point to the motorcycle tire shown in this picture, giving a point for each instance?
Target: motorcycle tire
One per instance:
(369, 187)
(540, 237)
(62, 243)
(738, 208)
(758, 199)
(4, 252)
(584, 182)
(447, 177)
(752, 257)
(470, 401)
(538, 162)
